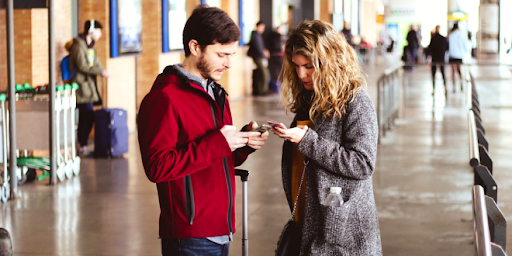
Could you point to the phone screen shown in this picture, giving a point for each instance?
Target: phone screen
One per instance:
(274, 124)
(263, 128)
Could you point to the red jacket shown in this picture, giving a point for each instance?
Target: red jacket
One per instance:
(189, 159)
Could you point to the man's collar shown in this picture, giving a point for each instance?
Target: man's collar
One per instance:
(193, 78)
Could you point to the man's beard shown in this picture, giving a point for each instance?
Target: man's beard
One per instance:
(204, 68)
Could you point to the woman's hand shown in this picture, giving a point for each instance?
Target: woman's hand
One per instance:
(294, 134)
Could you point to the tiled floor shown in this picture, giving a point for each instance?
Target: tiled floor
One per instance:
(422, 182)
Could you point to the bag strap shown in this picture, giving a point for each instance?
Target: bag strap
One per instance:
(300, 186)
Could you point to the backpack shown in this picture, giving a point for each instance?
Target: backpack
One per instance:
(67, 75)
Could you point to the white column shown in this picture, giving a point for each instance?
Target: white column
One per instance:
(488, 35)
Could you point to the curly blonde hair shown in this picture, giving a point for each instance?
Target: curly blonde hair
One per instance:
(337, 75)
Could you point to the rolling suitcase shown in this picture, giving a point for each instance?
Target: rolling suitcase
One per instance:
(244, 176)
(110, 132)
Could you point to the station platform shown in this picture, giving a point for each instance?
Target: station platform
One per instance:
(422, 181)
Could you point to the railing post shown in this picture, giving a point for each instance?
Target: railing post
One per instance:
(499, 231)
(481, 226)
(488, 182)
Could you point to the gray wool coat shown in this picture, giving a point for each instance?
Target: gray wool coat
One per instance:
(341, 152)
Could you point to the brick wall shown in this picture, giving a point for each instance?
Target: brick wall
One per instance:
(63, 32)
(38, 70)
(326, 10)
(31, 43)
(147, 64)
(99, 11)
(31, 46)
(22, 46)
(3, 50)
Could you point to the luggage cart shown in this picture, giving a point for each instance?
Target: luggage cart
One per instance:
(32, 105)
(4, 179)
(26, 163)
(74, 159)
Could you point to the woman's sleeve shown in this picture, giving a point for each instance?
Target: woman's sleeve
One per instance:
(355, 157)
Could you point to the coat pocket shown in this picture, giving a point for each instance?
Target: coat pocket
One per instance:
(336, 224)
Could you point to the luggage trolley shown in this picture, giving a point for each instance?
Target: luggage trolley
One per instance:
(31, 105)
(4, 180)
(73, 158)
(69, 162)
(35, 110)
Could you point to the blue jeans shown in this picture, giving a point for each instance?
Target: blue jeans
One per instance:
(193, 247)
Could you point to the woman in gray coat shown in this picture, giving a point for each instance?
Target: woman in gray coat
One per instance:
(332, 139)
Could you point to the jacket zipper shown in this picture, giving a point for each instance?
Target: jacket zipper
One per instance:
(228, 180)
(189, 192)
(189, 199)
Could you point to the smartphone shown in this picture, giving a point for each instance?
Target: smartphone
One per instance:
(263, 128)
(274, 124)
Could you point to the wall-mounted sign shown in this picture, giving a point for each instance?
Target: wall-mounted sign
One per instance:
(126, 27)
(402, 12)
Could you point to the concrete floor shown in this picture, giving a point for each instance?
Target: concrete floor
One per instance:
(422, 182)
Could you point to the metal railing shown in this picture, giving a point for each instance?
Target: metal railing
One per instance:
(483, 243)
(388, 98)
(474, 155)
(489, 222)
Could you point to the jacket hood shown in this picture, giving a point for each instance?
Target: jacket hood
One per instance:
(186, 80)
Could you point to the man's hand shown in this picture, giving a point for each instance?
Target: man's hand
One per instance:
(256, 142)
(105, 73)
(266, 53)
(236, 139)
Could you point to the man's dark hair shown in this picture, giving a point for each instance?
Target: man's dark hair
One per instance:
(87, 25)
(5, 236)
(209, 25)
(455, 26)
(259, 23)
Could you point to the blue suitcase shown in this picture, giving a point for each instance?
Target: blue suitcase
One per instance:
(110, 132)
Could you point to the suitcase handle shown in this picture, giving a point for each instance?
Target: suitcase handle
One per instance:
(244, 174)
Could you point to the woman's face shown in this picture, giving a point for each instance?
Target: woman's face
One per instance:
(304, 69)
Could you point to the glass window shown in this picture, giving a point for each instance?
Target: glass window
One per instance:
(176, 21)
(213, 3)
(247, 20)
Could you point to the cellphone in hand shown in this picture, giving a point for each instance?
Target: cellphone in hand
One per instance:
(263, 128)
(275, 124)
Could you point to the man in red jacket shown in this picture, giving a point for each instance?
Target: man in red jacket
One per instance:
(188, 144)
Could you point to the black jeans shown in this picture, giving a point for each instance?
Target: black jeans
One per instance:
(441, 68)
(85, 122)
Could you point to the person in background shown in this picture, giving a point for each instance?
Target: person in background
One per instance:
(412, 45)
(276, 48)
(5, 243)
(83, 59)
(332, 141)
(365, 44)
(259, 55)
(458, 48)
(364, 49)
(347, 33)
(188, 144)
(391, 45)
(437, 49)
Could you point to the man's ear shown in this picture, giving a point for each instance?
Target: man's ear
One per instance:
(194, 46)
